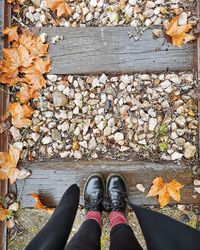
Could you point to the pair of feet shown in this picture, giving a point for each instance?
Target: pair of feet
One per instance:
(113, 198)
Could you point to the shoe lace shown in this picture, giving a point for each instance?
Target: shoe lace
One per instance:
(91, 203)
(116, 203)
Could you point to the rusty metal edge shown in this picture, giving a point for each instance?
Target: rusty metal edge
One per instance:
(4, 100)
(198, 75)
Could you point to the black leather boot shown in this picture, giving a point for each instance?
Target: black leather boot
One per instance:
(116, 193)
(93, 193)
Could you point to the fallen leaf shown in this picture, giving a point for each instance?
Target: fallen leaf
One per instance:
(178, 32)
(39, 204)
(14, 58)
(8, 162)
(60, 6)
(165, 191)
(33, 44)
(27, 93)
(19, 114)
(16, 1)
(4, 213)
(12, 34)
(34, 73)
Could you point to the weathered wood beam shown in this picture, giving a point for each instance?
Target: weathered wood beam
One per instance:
(112, 50)
(51, 179)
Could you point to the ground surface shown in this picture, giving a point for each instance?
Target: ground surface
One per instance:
(31, 220)
(121, 117)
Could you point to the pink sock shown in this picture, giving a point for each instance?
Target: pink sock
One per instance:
(94, 215)
(116, 218)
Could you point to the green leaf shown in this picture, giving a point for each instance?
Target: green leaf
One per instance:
(163, 146)
(163, 129)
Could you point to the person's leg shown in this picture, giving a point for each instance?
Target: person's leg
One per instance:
(121, 236)
(89, 234)
(87, 237)
(54, 235)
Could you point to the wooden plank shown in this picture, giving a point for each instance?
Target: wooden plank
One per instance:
(111, 50)
(51, 179)
(4, 99)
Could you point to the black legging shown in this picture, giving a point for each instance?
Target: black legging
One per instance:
(89, 234)
(161, 232)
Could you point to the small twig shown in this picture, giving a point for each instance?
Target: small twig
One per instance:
(22, 24)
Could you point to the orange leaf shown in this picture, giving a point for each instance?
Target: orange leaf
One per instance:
(12, 33)
(11, 81)
(14, 58)
(39, 204)
(174, 190)
(34, 74)
(157, 186)
(3, 213)
(8, 162)
(178, 32)
(27, 93)
(34, 44)
(17, 1)
(19, 114)
(62, 8)
(165, 190)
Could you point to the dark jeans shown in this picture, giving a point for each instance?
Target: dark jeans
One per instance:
(88, 238)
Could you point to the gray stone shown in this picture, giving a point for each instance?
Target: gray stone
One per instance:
(59, 99)
(55, 134)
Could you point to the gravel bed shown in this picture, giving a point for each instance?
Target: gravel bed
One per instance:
(135, 13)
(143, 116)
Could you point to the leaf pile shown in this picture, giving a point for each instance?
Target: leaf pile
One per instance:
(165, 191)
(179, 33)
(25, 63)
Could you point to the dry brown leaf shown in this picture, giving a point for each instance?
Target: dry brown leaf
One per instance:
(27, 93)
(8, 162)
(19, 114)
(16, 1)
(34, 73)
(165, 190)
(12, 34)
(178, 32)
(40, 205)
(4, 213)
(33, 44)
(60, 6)
(14, 58)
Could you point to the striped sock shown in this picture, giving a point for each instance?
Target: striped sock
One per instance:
(116, 218)
(94, 215)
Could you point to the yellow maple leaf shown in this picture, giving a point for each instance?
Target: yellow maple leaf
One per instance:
(178, 32)
(165, 191)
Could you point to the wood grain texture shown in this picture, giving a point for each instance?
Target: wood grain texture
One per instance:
(51, 179)
(96, 50)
